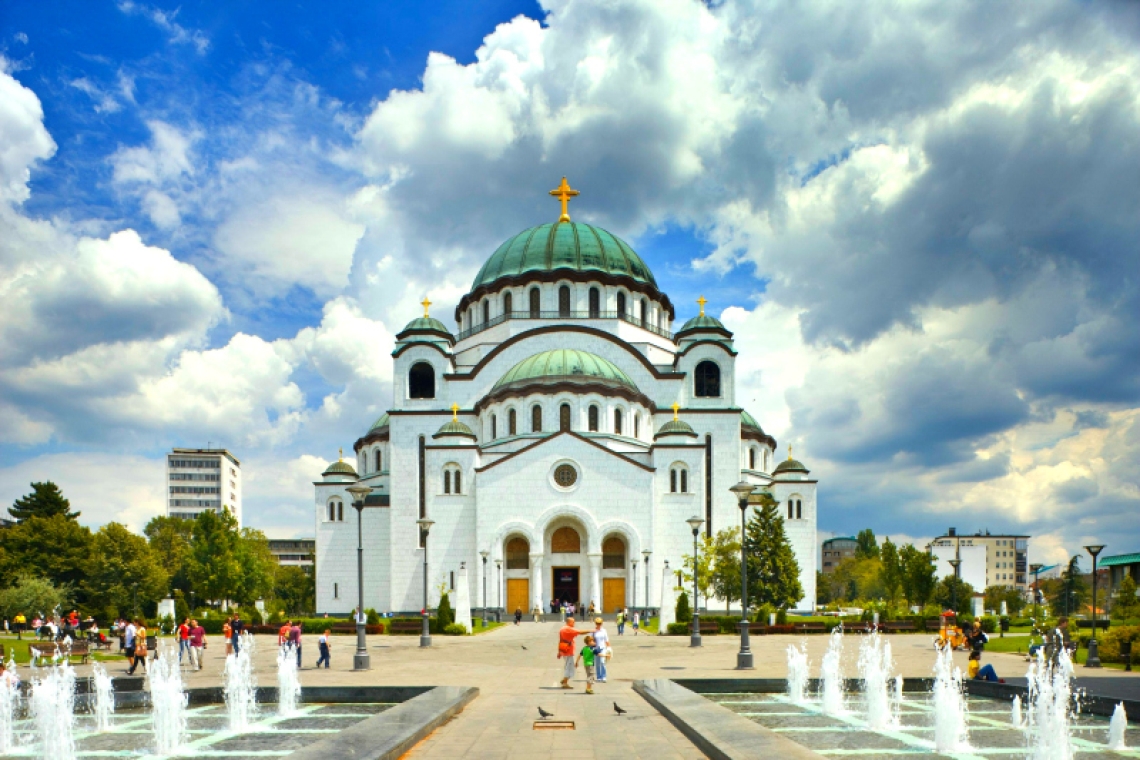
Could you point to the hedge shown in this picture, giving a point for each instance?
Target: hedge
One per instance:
(213, 626)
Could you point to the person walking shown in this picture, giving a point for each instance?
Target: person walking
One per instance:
(636, 622)
(537, 612)
(197, 645)
(139, 656)
(566, 636)
(295, 640)
(602, 648)
(183, 639)
(228, 635)
(323, 648)
(588, 657)
(518, 615)
(236, 627)
(129, 643)
(622, 618)
(21, 623)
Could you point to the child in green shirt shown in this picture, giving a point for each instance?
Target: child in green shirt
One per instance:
(586, 657)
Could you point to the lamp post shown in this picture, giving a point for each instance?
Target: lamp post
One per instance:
(744, 656)
(484, 555)
(499, 565)
(425, 635)
(634, 584)
(361, 660)
(695, 637)
(646, 554)
(1093, 660)
(957, 565)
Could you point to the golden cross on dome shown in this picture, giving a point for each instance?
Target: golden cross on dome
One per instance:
(789, 452)
(564, 193)
(341, 451)
(425, 303)
(702, 301)
(676, 406)
(454, 412)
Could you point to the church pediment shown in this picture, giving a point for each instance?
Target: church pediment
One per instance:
(565, 437)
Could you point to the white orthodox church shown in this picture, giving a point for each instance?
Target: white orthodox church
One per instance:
(558, 443)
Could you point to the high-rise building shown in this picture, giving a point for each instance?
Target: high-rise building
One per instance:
(202, 479)
(835, 550)
(293, 551)
(987, 560)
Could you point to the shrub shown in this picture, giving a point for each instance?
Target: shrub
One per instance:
(782, 616)
(455, 629)
(683, 611)
(445, 614)
(371, 617)
(678, 629)
(1109, 642)
(989, 624)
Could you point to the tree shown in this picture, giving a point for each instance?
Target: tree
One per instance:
(954, 593)
(866, 547)
(705, 559)
(858, 578)
(919, 575)
(1125, 605)
(890, 571)
(125, 571)
(1013, 598)
(54, 548)
(822, 589)
(773, 573)
(294, 588)
(258, 566)
(444, 615)
(213, 565)
(45, 500)
(1068, 595)
(170, 537)
(33, 596)
(725, 552)
(683, 612)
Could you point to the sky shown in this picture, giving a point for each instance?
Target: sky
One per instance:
(920, 219)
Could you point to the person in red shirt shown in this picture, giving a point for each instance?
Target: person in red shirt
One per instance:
(183, 639)
(566, 637)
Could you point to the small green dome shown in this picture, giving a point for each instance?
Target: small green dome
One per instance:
(702, 322)
(430, 324)
(564, 245)
(340, 468)
(561, 364)
(379, 424)
(748, 421)
(789, 465)
(676, 427)
(455, 427)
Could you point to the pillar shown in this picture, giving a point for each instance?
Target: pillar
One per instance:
(595, 579)
(536, 582)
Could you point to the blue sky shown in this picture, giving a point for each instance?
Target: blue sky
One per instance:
(916, 220)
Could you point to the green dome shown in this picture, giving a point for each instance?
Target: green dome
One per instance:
(565, 245)
(676, 427)
(748, 421)
(702, 322)
(789, 465)
(379, 424)
(563, 363)
(340, 468)
(426, 323)
(454, 427)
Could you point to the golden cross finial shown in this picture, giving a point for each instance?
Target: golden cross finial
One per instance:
(454, 412)
(676, 406)
(425, 303)
(564, 193)
(789, 452)
(341, 451)
(702, 301)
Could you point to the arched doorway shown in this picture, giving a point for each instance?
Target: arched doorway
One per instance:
(516, 551)
(566, 567)
(613, 573)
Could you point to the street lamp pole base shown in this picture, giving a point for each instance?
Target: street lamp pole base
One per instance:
(744, 661)
(425, 641)
(744, 656)
(362, 661)
(695, 636)
(1093, 660)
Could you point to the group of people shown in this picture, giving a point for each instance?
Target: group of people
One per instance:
(594, 654)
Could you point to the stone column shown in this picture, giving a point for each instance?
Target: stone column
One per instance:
(595, 579)
(536, 594)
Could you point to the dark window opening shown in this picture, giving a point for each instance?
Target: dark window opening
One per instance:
(564, 301)
(593, 422)
(455, 481)
(535, 303)
(672, 481)
(752, 459)
(791, 506)
(707, 379)
(636, 426)
(486, 312)
(613, 554)
(447, 481)
(536, 419)
(512, 426)
(421, 381)
(595, 303)
(621, 305)
(507, 304)
(617, 421)
(564, 417)
(644, 313)
(494, 428)
(518, 554)
(340, 511)
(684, 481)
(799, 509)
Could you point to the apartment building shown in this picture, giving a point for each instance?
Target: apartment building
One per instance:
(987, 559)
(202, 479)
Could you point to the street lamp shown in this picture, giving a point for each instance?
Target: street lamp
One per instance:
(645, 553)
(499, 565)
(1093, 659)
(1035, 569)
(744, 656)
(957, 565)
(634, 583)
(484, 555)
(360, 660)
(425, 526)
(695, 637)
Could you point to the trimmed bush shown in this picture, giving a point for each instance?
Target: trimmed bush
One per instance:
(678, 629)
(683, 611)
(445, 614)
(455, 629)
(1109, 642)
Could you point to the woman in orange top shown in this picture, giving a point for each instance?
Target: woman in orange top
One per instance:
(566, 638)
(227, 632)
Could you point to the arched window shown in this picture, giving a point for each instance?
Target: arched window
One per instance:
(451, 479)
(595, 304)
(536, 419)
(340, 511)
(644, 313)
(621, 305)
(707, 380)
(564, 301)
(447, 481)
(565, 541)
(512, 423)
(564, 417)
(617, 421)
(678, 479)
(486, 312)
(455, 482)
(791, 507)
(613, 553)
(507, 305)
(799, 510)
(379, 461)
(684, 481)
(593, 419)
(672, 481)
(494, 427)
(332, 511)
(535, 303)
(765, 458)
(751, 459)
(518, 554)
(636, 425)
(421, 381)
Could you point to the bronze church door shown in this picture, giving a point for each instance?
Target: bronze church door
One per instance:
(518, 595)
(565, 585)
(613, 594)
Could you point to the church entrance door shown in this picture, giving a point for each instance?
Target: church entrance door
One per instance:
(518, 595)
(566, 584)
(613, 594)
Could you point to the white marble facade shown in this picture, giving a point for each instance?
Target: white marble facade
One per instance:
(565, 319)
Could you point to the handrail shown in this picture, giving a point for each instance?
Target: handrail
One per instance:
(506, 316)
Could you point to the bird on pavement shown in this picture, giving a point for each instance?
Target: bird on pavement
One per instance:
(618, 710)
(524, 647)
(544, 714)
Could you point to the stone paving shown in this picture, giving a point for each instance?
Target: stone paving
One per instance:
(516, 670)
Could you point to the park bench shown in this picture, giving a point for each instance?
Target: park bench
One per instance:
(898, 627)
(406, 626)
(81, 650)
(811, 628)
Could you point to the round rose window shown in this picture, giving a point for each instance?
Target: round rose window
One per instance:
(565, 475)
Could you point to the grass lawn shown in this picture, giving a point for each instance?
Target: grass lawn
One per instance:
(477, 626)
(19, 648)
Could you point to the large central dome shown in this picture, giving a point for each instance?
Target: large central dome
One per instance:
(563, 364)
(564, 246)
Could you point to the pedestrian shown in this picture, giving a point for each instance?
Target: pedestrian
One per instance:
(622, 617)
(236, 627)
(601, 648)
(588, 657)
(295, 640)
(1059, 639)
(566, 638)
(636, 621)
(197, 645)
(518, 615)
(323, 648)
(183, 639)
(537, 612)
(283, 633)
(129, 644)
(228, 635)
(21, 623)
(9, 678)
(139, 657)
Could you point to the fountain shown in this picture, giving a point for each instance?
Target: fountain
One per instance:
(1015, 712)
(104, 697)
(9, 706)
(798, 669)
(241, 687)
(950, 733)
(1117, 727)
(53, 711)
(1050, 698)
(831, 674)
(288, 680)
(168, 702)
(875, 664)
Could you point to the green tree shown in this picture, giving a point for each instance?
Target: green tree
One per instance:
(919, 575)
(866, 546)
(294, 588)
(170, 537)
(444, 615)
(1070, 594)
(1125, 605)
(706, 557)
(1013, 598)
(125, 571)
(33, 596)
(822, 588)
(773, 573)
(45, 500)
(55, 548)
(257, 566)
(954, 593)
(213, 565)
(684, 613)
(890, 571)
(726, 566)
(859, 578)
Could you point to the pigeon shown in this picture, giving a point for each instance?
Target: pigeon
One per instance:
(544, 714)
(618, 710)
(524, 647)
